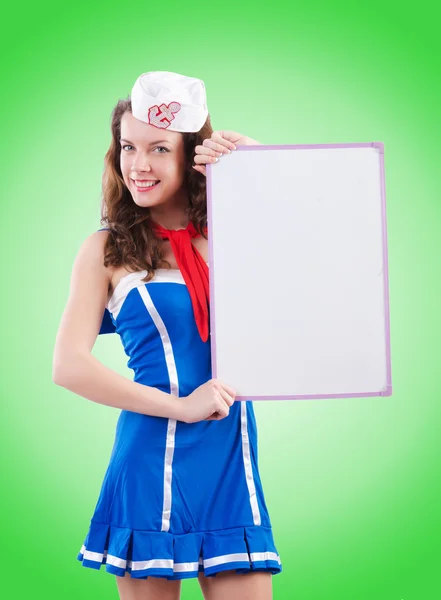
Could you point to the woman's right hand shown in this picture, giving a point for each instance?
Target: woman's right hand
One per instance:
(210, 401)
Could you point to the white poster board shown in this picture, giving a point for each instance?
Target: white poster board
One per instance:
(298, 271)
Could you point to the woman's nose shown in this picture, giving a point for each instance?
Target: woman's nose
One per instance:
(141, 165)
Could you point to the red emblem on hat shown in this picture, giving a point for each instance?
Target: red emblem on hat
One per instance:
(162, 116)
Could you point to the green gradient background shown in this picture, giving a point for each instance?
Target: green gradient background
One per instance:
(352, 485)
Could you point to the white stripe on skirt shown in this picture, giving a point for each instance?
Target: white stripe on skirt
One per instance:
(167, 563)
(174, 390)
(247, 464)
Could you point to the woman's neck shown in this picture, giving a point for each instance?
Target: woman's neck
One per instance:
(172, 217)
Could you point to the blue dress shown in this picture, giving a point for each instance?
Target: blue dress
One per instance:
(177, 498)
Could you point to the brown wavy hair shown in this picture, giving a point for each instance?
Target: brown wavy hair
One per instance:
(131, 241)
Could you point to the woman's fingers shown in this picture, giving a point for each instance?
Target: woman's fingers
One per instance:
(203, 159)
(210, 150)
(225, 138)
(228, 399)
(219, 145)
(200, 169)
(224, 409)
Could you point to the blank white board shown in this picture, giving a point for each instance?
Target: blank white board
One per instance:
(298, 271)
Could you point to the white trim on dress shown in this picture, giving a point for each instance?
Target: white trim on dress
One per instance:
(167, 563)
(247, 464)
(174, 391)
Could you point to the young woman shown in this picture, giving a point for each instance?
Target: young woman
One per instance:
(182, 495)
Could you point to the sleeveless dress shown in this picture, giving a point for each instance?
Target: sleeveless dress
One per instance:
(177, 498)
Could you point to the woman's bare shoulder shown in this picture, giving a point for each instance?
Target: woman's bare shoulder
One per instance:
(91, 253)
(100, 236)
(95, 243)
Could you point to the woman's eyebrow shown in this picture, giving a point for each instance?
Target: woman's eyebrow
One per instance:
(151, 143)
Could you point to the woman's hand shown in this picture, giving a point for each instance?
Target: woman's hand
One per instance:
(220, 143)
(211, 401)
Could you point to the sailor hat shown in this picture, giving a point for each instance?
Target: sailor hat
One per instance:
(169, 100)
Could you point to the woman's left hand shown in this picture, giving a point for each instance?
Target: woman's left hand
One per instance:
(220, 143)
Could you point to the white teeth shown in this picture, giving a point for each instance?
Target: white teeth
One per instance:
(145, 183)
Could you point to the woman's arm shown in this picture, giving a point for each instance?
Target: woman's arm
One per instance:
(74, 367)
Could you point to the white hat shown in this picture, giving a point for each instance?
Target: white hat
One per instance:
(170, 101)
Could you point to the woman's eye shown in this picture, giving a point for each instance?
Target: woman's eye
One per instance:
(124, 146)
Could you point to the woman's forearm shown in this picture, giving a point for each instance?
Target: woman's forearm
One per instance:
(86, 376)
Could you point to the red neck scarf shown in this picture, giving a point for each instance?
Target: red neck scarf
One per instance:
(194, 271)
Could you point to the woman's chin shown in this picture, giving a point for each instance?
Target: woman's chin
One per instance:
(146, 203)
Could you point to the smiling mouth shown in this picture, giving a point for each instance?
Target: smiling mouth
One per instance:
(144, 185)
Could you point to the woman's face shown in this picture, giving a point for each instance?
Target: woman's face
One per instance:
(156, 155)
